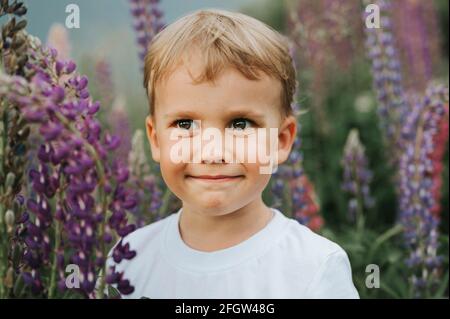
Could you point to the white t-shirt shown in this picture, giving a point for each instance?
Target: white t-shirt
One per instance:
(283, 260)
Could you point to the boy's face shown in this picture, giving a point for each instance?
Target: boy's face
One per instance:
(185, 112)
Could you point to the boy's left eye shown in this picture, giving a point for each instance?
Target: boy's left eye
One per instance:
(241, 124)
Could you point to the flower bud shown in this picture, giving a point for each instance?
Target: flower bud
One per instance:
(10, 218)
(9, 278)
(10, 178)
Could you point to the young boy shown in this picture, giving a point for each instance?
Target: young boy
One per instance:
(214, 69)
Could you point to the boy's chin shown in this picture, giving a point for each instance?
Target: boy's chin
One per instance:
(213, 207)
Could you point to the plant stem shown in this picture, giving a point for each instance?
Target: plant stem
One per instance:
(57, 226)
(3, 235)
(102, 245)
(391, 232)
(51, 290)
(3, 248)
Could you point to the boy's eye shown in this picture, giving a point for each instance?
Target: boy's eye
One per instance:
(184, 124)
(241, 124)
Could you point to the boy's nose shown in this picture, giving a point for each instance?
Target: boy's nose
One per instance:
(213, 161)
(213, 149)
(212, 153)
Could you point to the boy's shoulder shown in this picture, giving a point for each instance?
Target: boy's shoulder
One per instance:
(305, 245)
(145, 241)
(145, 236)
(326, 263)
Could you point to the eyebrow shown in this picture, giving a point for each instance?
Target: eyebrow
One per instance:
(180, 114)
(231, 114)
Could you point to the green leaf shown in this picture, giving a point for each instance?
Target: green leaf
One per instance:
(442, 287)
(397, 279)
(394, 256)
(391, 232)
(354, 248)
(71, 294)
(444, 239)
(113, 293)
(387, 289)
(19, 287)
(20, 25)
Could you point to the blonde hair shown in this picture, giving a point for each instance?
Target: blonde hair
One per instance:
(224, 39)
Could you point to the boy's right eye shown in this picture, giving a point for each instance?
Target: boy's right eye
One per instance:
(184, 124)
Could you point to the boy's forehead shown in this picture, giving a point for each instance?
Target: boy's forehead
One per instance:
(230, 87)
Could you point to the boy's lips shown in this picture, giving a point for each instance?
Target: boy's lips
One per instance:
(215, 178)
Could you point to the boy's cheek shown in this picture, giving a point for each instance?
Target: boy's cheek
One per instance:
(172, 149)
(259, 155)
(251, 148)
(173, 175)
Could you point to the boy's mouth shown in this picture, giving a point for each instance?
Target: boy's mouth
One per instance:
(215, 178)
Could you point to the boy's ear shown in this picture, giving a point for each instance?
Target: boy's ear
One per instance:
(286, 137)
(152, 138)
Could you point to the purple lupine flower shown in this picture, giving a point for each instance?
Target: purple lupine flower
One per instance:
(33, 279)
(123, 285)
(356, 176)
(148, 21)
(122, 252)
(80, 189)
(416, 31)
(387, 79)
(416, 188)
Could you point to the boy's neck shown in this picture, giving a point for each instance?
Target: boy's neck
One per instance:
(210, 233)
